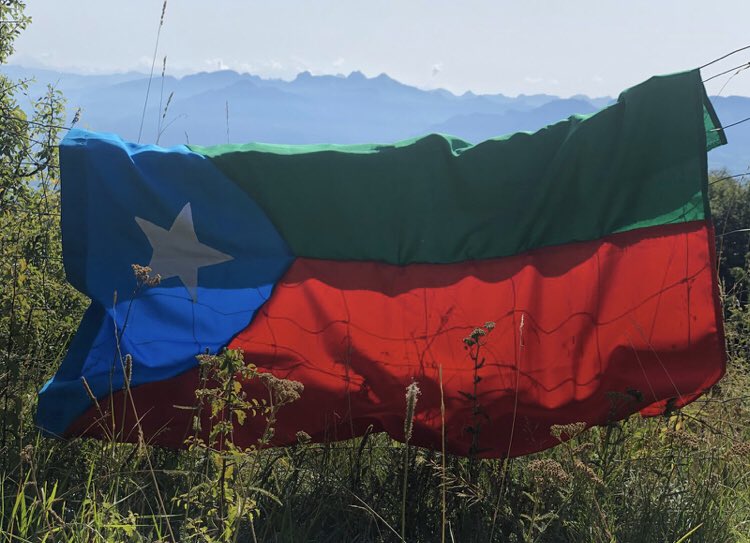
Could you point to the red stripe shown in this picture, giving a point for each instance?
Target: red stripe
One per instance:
(582, 331)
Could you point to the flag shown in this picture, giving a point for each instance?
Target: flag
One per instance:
(586, 246)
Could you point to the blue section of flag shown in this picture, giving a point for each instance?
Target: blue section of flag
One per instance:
(106, 184)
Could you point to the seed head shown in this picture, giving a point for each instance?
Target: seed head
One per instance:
(128, 369)
(284, 391)
(741, 449)
(27, 454)
(143, 276)
(548, 473)
(412, 391)
(562, 432)
(478, 332)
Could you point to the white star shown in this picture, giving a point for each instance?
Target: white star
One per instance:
(177, 251)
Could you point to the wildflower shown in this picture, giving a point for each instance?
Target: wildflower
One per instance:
(478, 332)
(143, 276)
(548, 473)
(284, 391)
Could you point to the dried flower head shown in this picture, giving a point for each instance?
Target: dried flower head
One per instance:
(563, 432)
(741, 449)
(587, 472)
(143, 276)
(283, 391)
(548, 473)
(27, 454)
(412, 391)
(683, 438)
(478, 332)
(128, 369)
(583, 448)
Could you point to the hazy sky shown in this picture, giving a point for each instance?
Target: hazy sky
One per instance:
(596, 47)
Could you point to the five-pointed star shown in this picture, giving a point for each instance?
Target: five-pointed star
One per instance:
(177, 251)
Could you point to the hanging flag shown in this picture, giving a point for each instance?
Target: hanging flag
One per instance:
(357, 269)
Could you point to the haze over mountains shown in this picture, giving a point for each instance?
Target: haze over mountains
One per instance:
(216, 107)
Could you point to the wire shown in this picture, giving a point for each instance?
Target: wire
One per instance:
(741, 230)
(741, 67)
(714, 61)
(730, 125)
(35, 123)
(729, 177)
(735, 74)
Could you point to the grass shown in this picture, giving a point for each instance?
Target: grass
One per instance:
(675, 479)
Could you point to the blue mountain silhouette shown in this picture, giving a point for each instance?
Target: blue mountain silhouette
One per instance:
(216, 107)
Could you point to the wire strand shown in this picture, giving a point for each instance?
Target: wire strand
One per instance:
(735, 176)
(725, 72)
(714, 61)
(738, 231)
(730, 125)
(11, 118)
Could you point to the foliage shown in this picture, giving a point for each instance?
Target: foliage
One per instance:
(730, 206)
(38, 309)
(14, 21)
(473, 343)
(220, 499)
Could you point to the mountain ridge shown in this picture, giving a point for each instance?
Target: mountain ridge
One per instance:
(215, 107)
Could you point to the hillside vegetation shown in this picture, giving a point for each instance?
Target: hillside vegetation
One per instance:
(678, 478)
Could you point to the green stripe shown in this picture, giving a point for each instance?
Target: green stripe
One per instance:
(638, 163)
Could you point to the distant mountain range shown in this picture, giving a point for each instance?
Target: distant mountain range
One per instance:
(216, 107)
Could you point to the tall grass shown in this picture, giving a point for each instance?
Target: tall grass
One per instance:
(685, 477)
